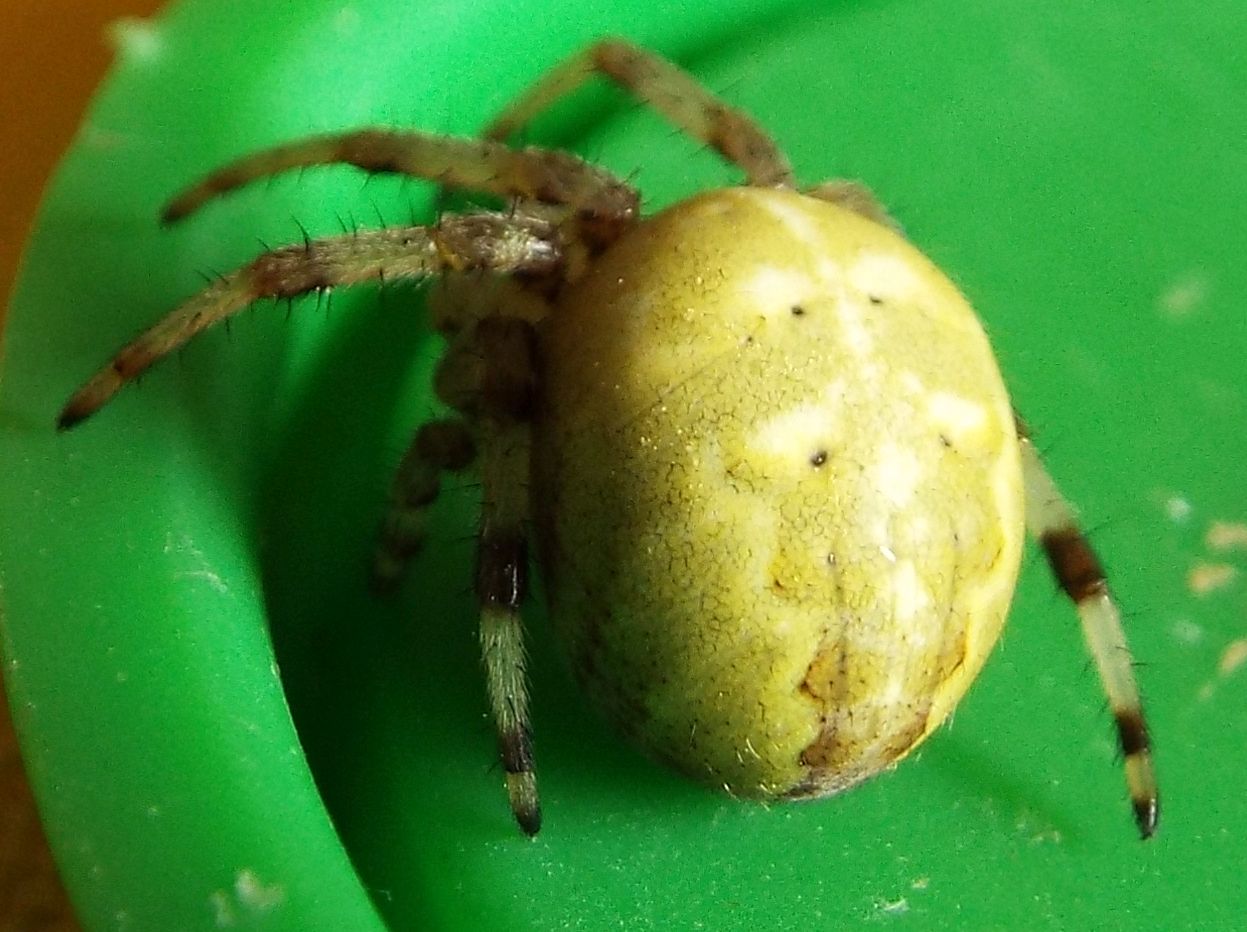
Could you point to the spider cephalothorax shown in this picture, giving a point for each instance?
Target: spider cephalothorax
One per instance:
(778, 486)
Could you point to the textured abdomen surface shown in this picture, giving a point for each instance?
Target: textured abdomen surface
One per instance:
(777, 485)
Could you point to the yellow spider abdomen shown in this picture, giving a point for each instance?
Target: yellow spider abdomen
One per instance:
(778, 488)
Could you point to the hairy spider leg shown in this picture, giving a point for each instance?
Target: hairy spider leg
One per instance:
(479, 165)
(1051, 520)
(488, 242)
(670, 90)
(438, 446)
(488, 375)
(506, 403)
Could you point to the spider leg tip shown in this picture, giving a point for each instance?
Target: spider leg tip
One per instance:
(1146, 816)
(529, 821)
(175, 210)
(71, 416)
(525, 803)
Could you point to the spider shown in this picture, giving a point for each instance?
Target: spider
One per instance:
(778, 489)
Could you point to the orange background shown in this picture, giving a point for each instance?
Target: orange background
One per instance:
(52, 55)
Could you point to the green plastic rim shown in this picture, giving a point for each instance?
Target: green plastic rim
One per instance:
(225, 730)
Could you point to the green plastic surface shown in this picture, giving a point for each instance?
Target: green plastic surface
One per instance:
(1080, 173)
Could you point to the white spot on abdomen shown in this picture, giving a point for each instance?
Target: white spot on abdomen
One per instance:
(959, 418)
(911, 596)
(795, 433)
(775, 291)
(856, 333)
(885, 276)
(796, 220)
(896, 474)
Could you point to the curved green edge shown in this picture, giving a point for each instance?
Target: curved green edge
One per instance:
(1072, 172)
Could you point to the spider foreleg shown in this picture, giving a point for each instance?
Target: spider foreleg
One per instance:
(1051, 520)
(469, 164)
(490, 242)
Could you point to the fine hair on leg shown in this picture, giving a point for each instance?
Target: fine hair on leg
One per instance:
(483, 166)
(1051, 520)
(507, 244)
(685, 102)
(508, 392)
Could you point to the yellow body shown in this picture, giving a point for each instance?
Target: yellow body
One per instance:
(778, 490)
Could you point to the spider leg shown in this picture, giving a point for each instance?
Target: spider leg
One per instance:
(671, 91)
(1052, 522)
(507, 395)
(480, 165)
(854, 196)
(438, 446)
(493, 242)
